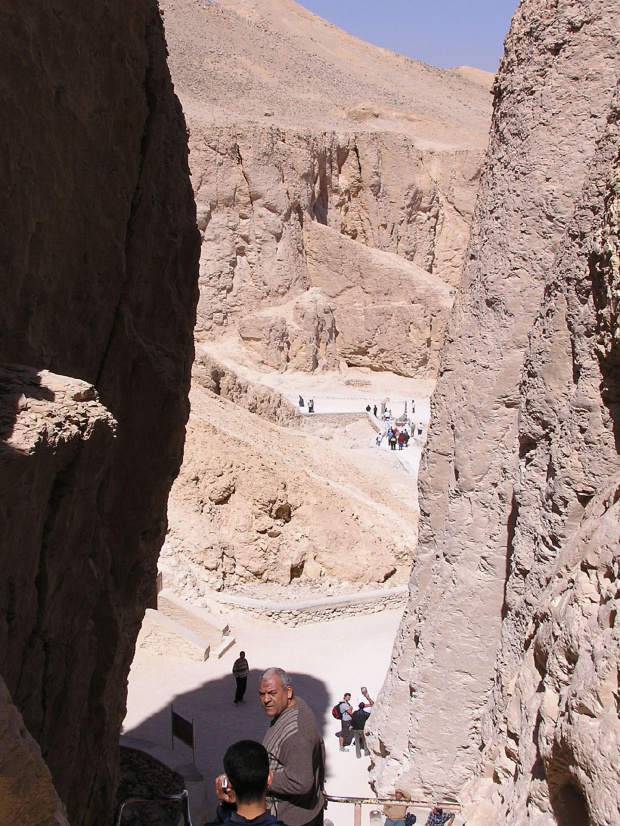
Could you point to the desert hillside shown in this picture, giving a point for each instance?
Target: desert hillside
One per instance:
(335, 184)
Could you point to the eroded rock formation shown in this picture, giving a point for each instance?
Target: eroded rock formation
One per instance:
(257, 503)
(299, 189)
(27, 793)
(98, 282)
(505, 666)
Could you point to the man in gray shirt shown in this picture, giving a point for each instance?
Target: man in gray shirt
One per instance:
(296, 752)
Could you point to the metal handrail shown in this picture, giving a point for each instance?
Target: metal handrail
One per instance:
(360, 801)
(180, 797)
(413, 802)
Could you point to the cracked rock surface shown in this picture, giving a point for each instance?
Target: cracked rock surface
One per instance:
(503, 687)
(98, 282)
(315, 157)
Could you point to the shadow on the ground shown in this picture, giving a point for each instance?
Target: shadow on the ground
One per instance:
(218, 722)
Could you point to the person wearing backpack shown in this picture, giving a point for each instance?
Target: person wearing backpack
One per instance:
(346, 711)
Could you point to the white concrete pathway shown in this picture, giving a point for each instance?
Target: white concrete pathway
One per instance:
(325, 660)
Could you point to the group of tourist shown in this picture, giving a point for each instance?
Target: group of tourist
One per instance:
(353, 722)
(281, 781)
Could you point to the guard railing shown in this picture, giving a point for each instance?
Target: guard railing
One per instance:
(181, 797)
(358, 802)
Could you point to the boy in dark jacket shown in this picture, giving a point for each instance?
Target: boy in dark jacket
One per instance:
(245, 784)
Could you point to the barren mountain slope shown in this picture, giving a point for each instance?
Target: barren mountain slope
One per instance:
(257, 502)
(509, 646)
(295, 122)
(235, 60)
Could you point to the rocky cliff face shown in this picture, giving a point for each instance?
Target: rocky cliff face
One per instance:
(258, 503)
(98, 287)
(372, 226)
(506, 662)
(511, 467)
(306, 187)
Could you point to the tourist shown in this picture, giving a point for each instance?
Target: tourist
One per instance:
(346, 712)
(395, 812)
(374, 411)
(379, 439)
(247, 778)
(420, 429)
(407, 437)
(296, 752)
(240, 669)
(367, 408)
(358, 721)
(366, 698)
(437, 817)
(301, 401)
(413, 405)
(393, 439)
(310, 405)
(401, 440)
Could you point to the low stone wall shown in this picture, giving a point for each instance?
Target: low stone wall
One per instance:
(317, 610)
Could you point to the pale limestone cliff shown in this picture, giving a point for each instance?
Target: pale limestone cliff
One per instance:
(390, 164)
(505, 666)
(99, 253)
(552, 731)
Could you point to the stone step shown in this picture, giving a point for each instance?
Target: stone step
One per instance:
(199, 621)
(162, 635)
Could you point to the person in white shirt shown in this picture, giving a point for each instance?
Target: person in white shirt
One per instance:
(365, 697)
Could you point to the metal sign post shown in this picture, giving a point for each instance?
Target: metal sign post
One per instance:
(184, 730)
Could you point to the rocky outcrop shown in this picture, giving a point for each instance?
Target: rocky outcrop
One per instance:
(551, 731)
(214, 377)
(508, 650)
(26, 789)
(285, 213)
(377, 179)
(258, 504)
(98, 284)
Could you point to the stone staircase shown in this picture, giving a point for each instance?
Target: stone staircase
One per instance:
(193, 633)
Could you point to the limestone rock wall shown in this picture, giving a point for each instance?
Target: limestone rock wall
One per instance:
(552, 732)
(259, 504)
(98, 284)
(284, 212)
(515, 568)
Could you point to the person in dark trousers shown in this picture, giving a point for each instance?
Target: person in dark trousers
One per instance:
(296, 752)
(241, 669)
(346, 711)
(358, 721)
(247, 778)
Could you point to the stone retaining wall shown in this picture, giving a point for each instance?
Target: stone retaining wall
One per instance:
(317, 610)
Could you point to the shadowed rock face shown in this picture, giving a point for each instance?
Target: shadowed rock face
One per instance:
(99, 255)
(505, 663)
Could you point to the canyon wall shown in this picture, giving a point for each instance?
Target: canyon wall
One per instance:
(334, 208)
(100, 251)
(371, 225)
(505, 666)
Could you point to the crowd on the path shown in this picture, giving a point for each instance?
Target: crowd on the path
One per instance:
(398, 432)
(281, 781)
